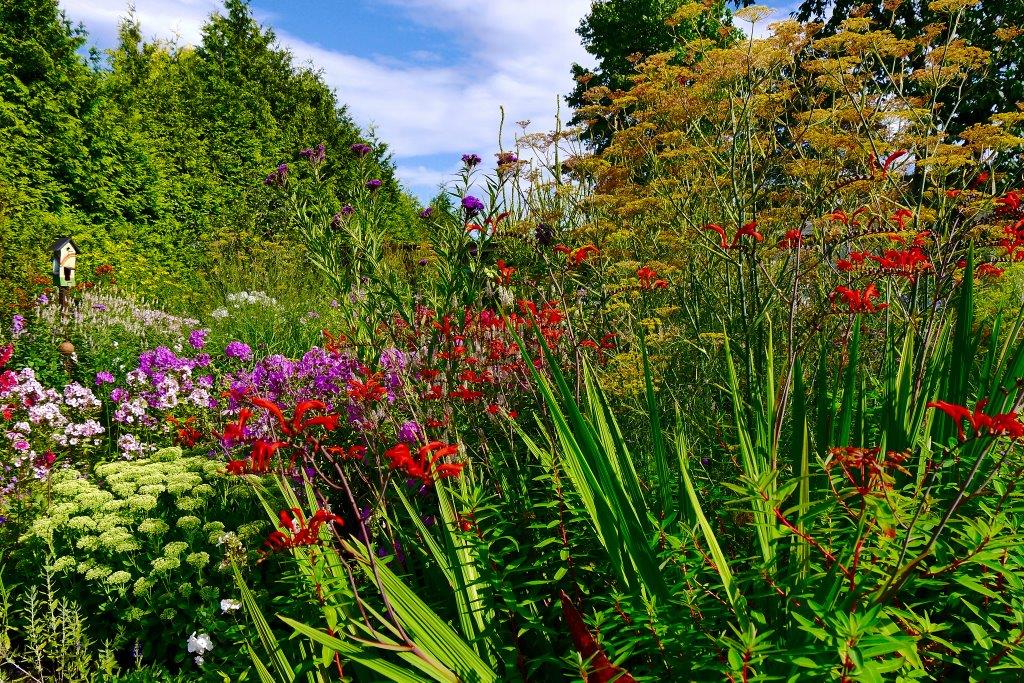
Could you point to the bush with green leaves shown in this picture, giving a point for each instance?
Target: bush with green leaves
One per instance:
(142, 545)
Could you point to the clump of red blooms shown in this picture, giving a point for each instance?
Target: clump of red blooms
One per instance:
(649, 279)
(298, 432)
(577, 256)
(906, 262)
(858, 301)
(748, 230)
(793, 239)
(981, 424)
(297, 531)
(505, 273)
(863, 468)
(186, 434)
(428, 466)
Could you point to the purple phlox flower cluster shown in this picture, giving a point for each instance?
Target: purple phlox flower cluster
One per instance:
(471, 160)
(43, 300)
(472, 205)
(104, 377)
(314, 155)
(427, 213)
(361, 149)
(411, 432)
(197, 338)
(18, 325)
(239, 350)
(374, 184)
(278, 177)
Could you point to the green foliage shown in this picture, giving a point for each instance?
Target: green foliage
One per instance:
(138, 545)
(154, 157)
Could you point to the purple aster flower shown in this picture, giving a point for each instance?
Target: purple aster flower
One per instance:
(361, 149)
(239, 350)
(505, 158)
(348, 209)
(314, 155)
(423, 261)
(427, 213)
(197, 338)
(43, 300)
(471, 160)
(18, 325)
(472, 205)
(277, 177)
(374, 184)
(104, 377)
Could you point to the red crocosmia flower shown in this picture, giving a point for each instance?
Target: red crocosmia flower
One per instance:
(493, 409)
(235, 431)
(297, 532)
(714, 227)
(6, 352)
(989, 270)
(583, 253)
(748, 230)
(1009, 202)
(562, 249)
(428, 466)
(953, 194)
(889, 160)
(505, 273)
(237, 467)
(590, 344)
(357, 452)
(858, 301)
(600, 668)
(649, 279)
(901, 216)
(839, 216)
(792, 239)
(299, 424)
(856, 260)
(334, 344)
(368, 391)
(187, 435)
(434, 423)
(981, 179)
(1002, 424)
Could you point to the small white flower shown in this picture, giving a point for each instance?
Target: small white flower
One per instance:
(229, 605)
(200, 644)
(199, 661)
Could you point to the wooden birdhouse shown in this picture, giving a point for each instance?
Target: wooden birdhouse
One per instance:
(65, 253)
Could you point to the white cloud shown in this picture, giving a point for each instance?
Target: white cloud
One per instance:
(518, 55)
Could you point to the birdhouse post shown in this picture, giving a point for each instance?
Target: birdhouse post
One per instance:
(65, 255)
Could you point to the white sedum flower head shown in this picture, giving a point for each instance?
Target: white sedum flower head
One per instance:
(228, 605)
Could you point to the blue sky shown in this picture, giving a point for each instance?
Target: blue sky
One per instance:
(428, 75)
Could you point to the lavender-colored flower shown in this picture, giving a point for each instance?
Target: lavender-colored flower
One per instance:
(423, 261)
(197, 338)
(239, 350)
(348, 209)
(314, 155)
(427, 213)
(472, 205)
(505, 158)
(361, 149)
(394, 360)
(471, 160)
(43, 300)
(374, 184)
(18, 325)
(118, 395)
(102, 308)
(104, 377)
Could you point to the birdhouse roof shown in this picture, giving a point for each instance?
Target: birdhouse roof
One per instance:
(61, 242)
